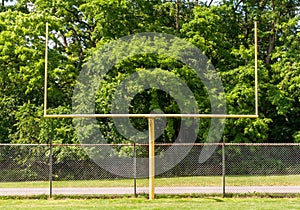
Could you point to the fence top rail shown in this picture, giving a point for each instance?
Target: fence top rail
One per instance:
(160, 144)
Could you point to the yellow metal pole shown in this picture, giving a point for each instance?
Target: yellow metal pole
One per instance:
(151, 158)
(150, 115)
(256, 67)
(46, 73)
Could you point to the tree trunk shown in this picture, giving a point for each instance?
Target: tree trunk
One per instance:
(272, 41)
(177, 15)
(211, 1)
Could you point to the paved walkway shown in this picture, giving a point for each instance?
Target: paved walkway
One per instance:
(158, 190)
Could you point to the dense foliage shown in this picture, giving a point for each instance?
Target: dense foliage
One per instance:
(223, 30)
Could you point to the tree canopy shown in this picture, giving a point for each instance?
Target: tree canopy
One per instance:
(222, 30)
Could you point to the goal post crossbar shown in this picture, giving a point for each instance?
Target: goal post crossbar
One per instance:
(149, 116)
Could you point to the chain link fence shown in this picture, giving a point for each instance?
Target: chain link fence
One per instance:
(27, 169)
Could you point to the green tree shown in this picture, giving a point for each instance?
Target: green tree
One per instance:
(22, 43)
(223, 31)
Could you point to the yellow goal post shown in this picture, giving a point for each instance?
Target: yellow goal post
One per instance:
(151, 117)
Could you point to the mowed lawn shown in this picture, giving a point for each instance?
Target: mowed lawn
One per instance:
(161, 203)
(291, 180)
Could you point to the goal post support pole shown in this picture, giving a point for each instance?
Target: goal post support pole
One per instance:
(151, 157)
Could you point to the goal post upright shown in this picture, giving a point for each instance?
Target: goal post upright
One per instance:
(256, 67)
(46, 72)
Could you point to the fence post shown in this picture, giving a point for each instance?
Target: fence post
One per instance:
(223, 168)
(134, 169)
(50, 170)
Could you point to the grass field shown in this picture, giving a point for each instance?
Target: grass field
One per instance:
(161, 203)
(292, 180)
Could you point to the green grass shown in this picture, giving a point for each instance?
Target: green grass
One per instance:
(161, 203)
(292, 180)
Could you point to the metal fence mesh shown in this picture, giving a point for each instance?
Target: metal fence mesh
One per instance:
(21, 163)
(272, 168)
(28, 169)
